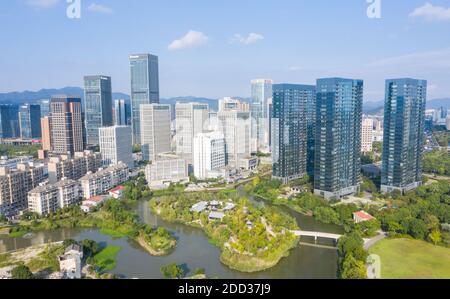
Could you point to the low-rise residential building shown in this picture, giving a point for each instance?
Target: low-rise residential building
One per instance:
(166, 169)
(73, 167)
(92, 203)
(48, 198)
(14, 187)
(116, 192)
(362, 216)
(99, 183)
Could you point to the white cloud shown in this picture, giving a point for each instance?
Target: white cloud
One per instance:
(42, 3)
(192, 39)
(431, 12)
(94, 7)
(431, 59)
(246, 40)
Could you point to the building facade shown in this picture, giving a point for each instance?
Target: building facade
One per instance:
(73, 167)
(404, 122)
(29, 120)
(116, 145)
(191, 119)
(122, 113)
(367, 135)
(338, 137)
(98, 106)
(94, 184)
(46, 134)
(14, 186)
(66, 125)
(209, 154)
(166, 169)
(261, 95)
(48, 198)
(144, 88)
(9, 121)
(155, 130)
(289, 130)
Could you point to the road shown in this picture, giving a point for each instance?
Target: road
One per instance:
(375, 240)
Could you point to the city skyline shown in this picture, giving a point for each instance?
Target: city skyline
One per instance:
(204, 58)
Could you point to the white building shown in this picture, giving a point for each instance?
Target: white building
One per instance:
(261, 98)
(366, 135)
(209, 153)
(230, 104)
(70, 262)
(191, 119)
(99, 183)
(116, 145)
(48, 198)
(166, 169)
(235, 125)
(155, 130)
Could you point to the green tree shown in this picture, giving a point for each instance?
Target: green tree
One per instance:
(353, 269)
(172, 271)
(435, 237)
(21, 272)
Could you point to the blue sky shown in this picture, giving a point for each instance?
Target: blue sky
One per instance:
(213, 48)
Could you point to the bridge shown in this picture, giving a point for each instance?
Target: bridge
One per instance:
(316, 235)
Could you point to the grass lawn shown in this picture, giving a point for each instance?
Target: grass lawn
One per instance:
(106, 259)
(409, 259)
(113, 233)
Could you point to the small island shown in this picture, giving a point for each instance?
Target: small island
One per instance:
(158, 242)
(251, 239)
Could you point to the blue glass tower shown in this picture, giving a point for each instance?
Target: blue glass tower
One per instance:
(98, 106)
(9, 121)
(144, 88)
(30, 121)
(404, 124)
(338, 137)
(289, 130)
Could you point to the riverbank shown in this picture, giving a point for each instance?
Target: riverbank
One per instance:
(158, 242)
(250, 239)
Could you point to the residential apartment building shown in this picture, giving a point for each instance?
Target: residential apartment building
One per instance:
(290, 130)
(367, 135)
(14, 186)
(48, 198)
(404, 125)
(209, 154)
(46, 134)
(102, 181)
(155, 130)
(116, 145)
(337, 170)
(166, 169)
(73, 167)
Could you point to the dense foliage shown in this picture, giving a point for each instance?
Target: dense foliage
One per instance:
(19, 150)
(352, 257)
(21, 272)
(437, 162)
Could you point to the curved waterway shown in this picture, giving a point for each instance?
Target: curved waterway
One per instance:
(194, 251)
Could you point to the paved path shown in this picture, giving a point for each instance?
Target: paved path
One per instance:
(374, 240)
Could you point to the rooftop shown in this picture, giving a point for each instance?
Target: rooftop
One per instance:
(363, 215)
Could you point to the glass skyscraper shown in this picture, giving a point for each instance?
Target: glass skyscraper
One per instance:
(404, 122)
(122, 113)
(259, 111)
(289, 130)
(144, 88)
(30, 121)
(337, 164)
(9, 121)
(98, 106)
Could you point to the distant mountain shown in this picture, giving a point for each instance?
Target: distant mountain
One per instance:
(32, 96)
(373, 107)
(378, 107)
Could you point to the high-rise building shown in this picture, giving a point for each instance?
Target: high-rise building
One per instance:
(289, 130)
(191, 119)
(144, 88)
(66, 125)
(337, 166)
(116, 145)
(209, 153)
(155, 130)
(46, 135)
(228, 103)
(261, 95)
(9, 121)
(29, 120)
(98, 106)
(234, 122)
(122, 113)
(367, 135)
(45, 107)
(404, 121)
